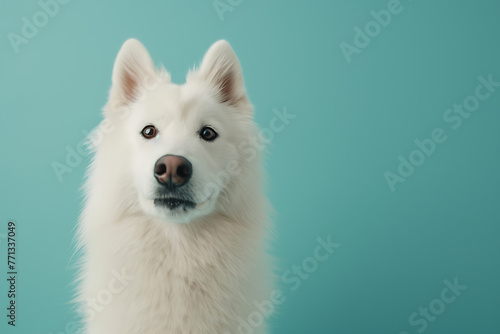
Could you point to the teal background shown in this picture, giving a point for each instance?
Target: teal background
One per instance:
(326, 168)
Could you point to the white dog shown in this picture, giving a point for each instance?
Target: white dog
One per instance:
(174, 226)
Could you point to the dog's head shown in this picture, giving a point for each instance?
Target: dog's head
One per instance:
(184, 144)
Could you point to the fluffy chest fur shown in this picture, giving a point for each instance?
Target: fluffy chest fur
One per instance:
(179, 278)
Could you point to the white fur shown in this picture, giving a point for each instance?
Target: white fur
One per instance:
(194, 272)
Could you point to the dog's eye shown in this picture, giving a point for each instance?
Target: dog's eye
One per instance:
(208, 134)
(149, 132)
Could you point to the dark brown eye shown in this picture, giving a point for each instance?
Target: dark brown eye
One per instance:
(149, 132)
(208, 134)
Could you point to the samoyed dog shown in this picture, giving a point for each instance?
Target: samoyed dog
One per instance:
(174, 226)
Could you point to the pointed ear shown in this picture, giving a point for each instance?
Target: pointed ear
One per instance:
(221, 69)
(133, 70)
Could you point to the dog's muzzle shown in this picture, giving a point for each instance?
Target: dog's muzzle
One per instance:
(173, 172)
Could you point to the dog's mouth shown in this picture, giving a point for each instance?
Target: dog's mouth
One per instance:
(175, 203)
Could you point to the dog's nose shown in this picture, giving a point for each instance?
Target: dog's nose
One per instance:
(173, 171)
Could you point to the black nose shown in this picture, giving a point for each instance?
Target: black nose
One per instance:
(173, 171)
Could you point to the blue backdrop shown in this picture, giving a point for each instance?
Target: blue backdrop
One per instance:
(390, 151)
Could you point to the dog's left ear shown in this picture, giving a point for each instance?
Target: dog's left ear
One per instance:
(222, 69)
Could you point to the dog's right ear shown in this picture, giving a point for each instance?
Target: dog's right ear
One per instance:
(133, 72)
